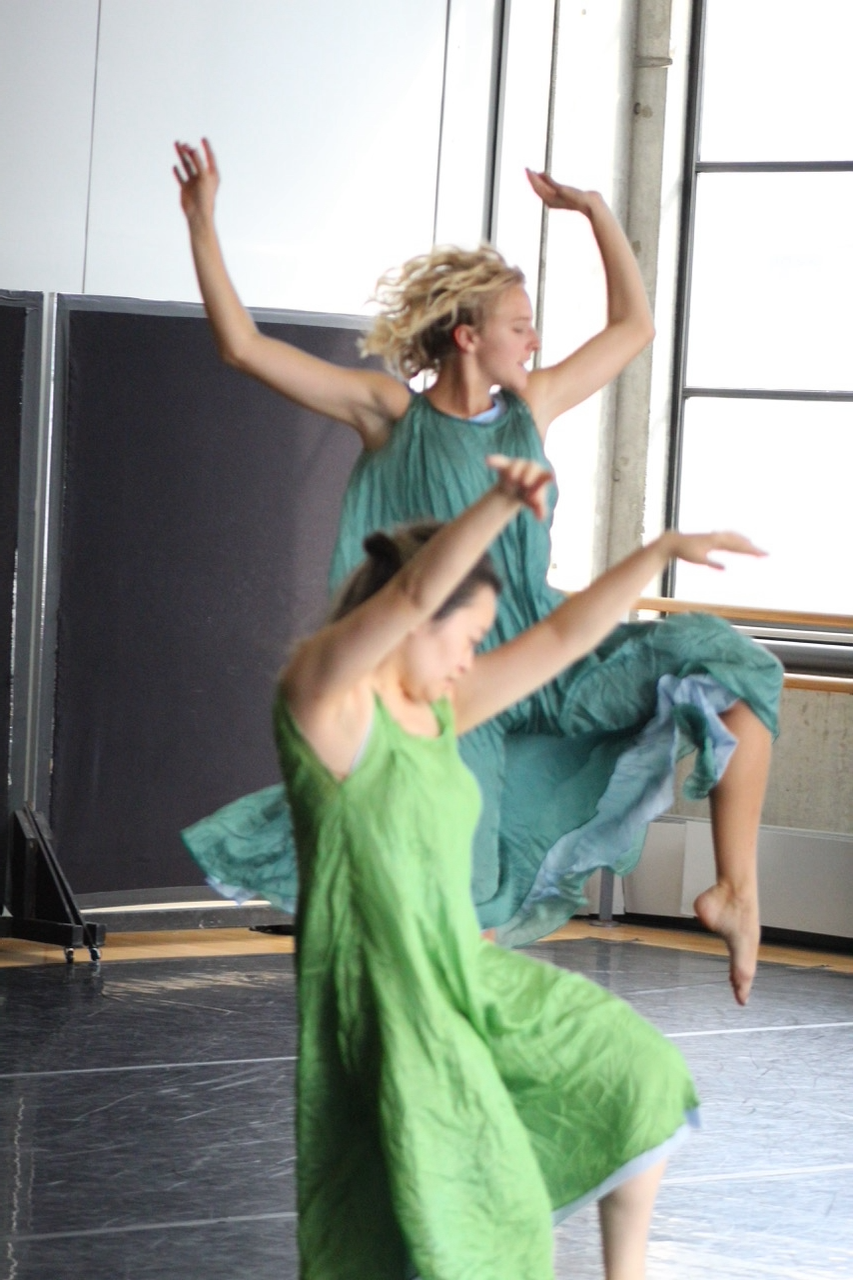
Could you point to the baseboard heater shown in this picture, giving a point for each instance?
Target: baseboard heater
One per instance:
(806, 880)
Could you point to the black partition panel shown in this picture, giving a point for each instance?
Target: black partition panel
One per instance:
(199, 514)
(14, 313)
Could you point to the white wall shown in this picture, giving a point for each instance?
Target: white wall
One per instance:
(349, 136)
(47, 79)
(805, 877)
(326, 118)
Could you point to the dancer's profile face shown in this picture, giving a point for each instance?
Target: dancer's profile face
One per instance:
(506, 339)
(441, 651)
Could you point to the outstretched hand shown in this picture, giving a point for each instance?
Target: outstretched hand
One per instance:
(698, 548)
(524, 481)
(198, 177)
(557, 195)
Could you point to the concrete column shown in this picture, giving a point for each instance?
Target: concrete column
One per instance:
(630, 439)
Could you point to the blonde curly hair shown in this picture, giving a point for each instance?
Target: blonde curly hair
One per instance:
(423, 301)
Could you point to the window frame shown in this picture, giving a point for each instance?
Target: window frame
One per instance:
(802, 647)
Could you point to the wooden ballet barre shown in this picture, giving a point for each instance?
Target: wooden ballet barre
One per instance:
(746, 613)
(818, 684)
(786, 617)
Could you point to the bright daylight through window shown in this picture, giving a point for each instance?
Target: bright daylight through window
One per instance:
(764, 437)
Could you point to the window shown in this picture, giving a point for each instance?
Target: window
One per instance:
(763, 400)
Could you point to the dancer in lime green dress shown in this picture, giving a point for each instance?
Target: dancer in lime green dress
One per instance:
(452, 1095)
(571, 776)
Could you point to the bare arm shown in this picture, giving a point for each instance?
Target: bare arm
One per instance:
(365, 399)
(506, 674)
(629, 327)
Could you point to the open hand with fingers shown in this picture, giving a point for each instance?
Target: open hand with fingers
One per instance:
(558, 195)
(198, 177)
(524, 481)
(698, 548)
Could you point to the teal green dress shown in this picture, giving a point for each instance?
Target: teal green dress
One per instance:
(451, 1095)
(571, 776)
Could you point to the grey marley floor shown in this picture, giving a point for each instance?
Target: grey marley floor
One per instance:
(146, 1111)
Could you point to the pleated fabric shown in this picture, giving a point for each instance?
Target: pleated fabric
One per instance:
(571, 776)
(451, 1094)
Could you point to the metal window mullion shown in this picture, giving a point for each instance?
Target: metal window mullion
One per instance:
(539, 319)
(685, 269)
(441, 121)
(490, 210)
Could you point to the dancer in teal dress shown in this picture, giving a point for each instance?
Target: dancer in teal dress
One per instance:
(571, 777)
(451, 1095)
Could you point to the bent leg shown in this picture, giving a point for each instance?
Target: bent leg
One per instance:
(730, 907)
(590, 761)
(625, 1216)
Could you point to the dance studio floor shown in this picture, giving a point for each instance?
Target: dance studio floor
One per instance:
(146, 1107)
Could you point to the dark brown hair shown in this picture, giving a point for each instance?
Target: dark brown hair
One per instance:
(386, 555)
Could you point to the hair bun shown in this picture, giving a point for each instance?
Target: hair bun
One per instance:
(383, 550)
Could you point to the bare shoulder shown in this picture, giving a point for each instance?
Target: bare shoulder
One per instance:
(536, 397)
(388, 401)
(335, 727)
(554, 390)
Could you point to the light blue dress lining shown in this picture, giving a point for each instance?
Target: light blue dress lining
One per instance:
(631, 1170)
(641, 787)
(490, 415)
(234, 893)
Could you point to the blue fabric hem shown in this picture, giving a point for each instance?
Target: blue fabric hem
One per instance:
(630, 1170)
(238, 895)
(627, 1171)
(641, 787)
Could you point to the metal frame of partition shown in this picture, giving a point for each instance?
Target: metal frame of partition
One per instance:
(45, 563)
(36, 900)
(38, 572)
(30, 566)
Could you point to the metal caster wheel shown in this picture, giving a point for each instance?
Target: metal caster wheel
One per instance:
(94, 952)
(69, 955)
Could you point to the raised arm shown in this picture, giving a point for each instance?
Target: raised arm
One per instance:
(629, 326)
(506, 674)
(367, 400)
(330, 666)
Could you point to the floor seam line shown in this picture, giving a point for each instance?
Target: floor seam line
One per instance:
(283, 1215)
(152, 1066)
(745, 1031)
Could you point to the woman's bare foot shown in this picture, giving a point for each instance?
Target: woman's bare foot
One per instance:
(735, 918)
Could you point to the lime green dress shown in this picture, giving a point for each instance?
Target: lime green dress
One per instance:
(450, 1094)
(572, 775)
